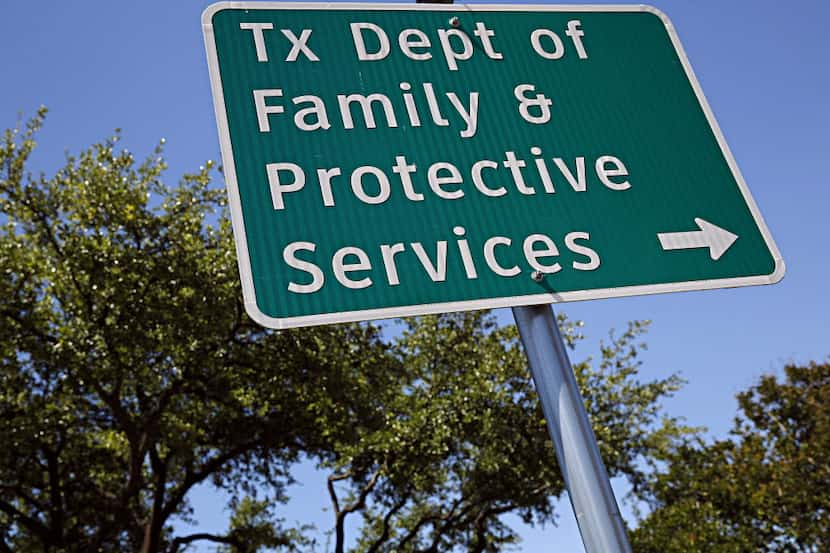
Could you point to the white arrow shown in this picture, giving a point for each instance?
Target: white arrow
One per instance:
(709, 236)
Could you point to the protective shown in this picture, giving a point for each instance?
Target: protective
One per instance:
(444, 180)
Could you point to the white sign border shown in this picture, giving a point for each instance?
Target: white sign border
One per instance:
(240, 238)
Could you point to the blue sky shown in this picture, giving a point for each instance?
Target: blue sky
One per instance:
(763, 66)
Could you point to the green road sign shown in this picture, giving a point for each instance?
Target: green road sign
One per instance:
(388, 160)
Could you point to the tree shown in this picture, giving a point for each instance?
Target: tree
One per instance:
(462, 441)
(765, 488)
(130, 373)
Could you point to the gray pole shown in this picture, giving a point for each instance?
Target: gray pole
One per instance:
(589, 488)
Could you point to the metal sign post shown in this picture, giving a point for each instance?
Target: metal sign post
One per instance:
(586, 479)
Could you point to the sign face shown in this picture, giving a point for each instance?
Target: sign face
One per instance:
(391, 160)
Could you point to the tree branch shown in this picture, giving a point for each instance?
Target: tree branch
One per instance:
(32, 524)
(413, 532)
(185, 540)
(208, 468)
(384, 535)
(56, 512)
(152, 535)
(360, 503)
(26, 325)
(332, 492)
(481, 526)
(364, 493)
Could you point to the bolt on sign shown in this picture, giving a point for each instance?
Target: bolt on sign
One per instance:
(390, 160)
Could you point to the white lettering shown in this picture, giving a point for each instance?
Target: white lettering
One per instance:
(470, 116)
(438, 271)
(466, 256)
(476, 170)
(450, 54)
(578, 182)
(383, 185)
(576, 35)
(618, 170)
(484, 34)
(317, 277)
(317, 109)
(341, 268)
(515, 165)
(558, 47)
(388, 253)
(407, 45)
(324, 178)
(259, 38)
(277, 188)
(404, 170)
(490, 257)
(299, 45)
(365, 103)
(434, 110)
(436, 182)
(532, 254)
(360, 46)
(263, 110)
(593, 258)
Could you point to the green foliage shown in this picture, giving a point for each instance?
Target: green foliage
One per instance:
(130, 373)
(766, 488)
(462, 439)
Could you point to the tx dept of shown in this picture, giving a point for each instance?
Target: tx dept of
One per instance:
(455, 43)
(351, 266)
